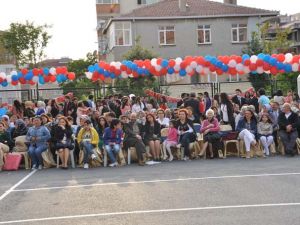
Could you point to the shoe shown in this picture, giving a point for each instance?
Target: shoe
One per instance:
(86, 166)
(186, 158)
(220, 153)
(40, 167)
(113, 164)
(141, 163)
(33, 167)
(248, 155)
(93, 156)
(171, 158)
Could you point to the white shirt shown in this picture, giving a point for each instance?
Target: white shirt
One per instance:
(224, 113)
(164, 122)
(137, 108)
(287, 115)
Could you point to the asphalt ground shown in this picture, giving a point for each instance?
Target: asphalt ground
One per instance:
(230, 191)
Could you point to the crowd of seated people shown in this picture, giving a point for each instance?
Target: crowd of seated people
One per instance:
(117, 123)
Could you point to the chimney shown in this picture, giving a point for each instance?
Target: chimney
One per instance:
(183, 5)
(232, 2)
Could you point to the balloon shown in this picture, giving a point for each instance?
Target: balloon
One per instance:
(281, 57)
(4, 83)
(52, 71)
(245, 57)
(170, 71)
(35, 79)
(253, 58)
(177, 67)
(46, 71)
(2, 75)
(273, 61)
(232, 63)
(253, 67)
(260, 70)
(35, 71)
(41, 80)
(88, 75)
(295, 67)
(239, 67)
(24, 71)
(261, 56)
(91, 69)
(164, 63)
(199, 69)
(71, 76)
(157, 68)
(259, 62)
(193, 64)
(178, 60)
(14, 78)
(172, 63)
(288, 57)
(153, 62)
(13, 73)
(8, 78)
(273, 70)
(182, 72)
(288, 68)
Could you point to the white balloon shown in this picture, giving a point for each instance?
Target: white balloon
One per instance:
(199, 68)
(188, 69)
(246, 69)
(193, 64)
(253, 58)
(154, 62)
(13, 72)
(260, 70)
(206, 70)
(178, 60)
(177, 67)
(52, 70)
(118, 65)
(89, 75)
(113, 63)
(157, 68)
(240, 67)
(288, 57)
(35, 79)
(232, 63)
(2, 75)
(295, 67)
(8, 78)
(124, 74)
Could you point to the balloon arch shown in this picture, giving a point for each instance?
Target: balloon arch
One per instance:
(233, 65)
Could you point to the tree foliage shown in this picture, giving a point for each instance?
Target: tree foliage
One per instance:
(26, 42)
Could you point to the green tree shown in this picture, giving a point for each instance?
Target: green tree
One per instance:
(79, 68)
(137, 85)
(26, 42)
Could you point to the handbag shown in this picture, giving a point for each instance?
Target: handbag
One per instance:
(12, 162)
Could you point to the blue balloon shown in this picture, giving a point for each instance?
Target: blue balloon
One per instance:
(101, 70)
(91, 69)
(225, 68)
(134, 66)
(3, 111)
(280, 66)
(208, 58)
(4, 84)
(146, 72)
(58, 79)
(96, 66)
(171, 70)
(267, 58)
(164, 63)
(112, 76)
(273, 61)
(140, 71)
(14, 77)
(106, 73)
(46, 71)
(288, 68)
(214, 60)
(261, 55)
(182, 72)
(41, 80)
(245, 57)
(219, 64)
(19, 75)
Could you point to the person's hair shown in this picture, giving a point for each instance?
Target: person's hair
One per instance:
(18, 105)
(70, 118)
(209, 111)
(224, 98)
(53, 103)
(111, 114)
(173, 122)
(38, 117)
(114, 122)
(66, 121)
(153, 117)
(247, 94)
(1, 123)
(184, 111)
(80, 104)
(252, 115)
(296, 97)
(91, 97)
(214, 108)
(86, 103)
(193, 95)
(217, 98)
(206, 94)
(67, 97)
(160, 110)
(279, 93)
(124, 102)
(153, 102)
(267, 115)
(138, 101)
(261, 91)
(239, 90)
(47, 117)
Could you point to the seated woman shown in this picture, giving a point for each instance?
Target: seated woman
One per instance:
(88, 139)
(265, 132)
(186, 132)
(210, 128)
(20, 129)
(63, 141)
(247, 128)
(112, 140)
(102, 124)
(37, 136)
(5, 143)
(162, 119)
(152, 136)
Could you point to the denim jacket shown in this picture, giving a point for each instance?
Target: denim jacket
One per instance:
(42, 134)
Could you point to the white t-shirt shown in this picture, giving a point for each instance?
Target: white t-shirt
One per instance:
(224, 113)
(164, 122)
(137, 108)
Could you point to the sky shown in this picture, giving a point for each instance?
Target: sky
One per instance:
(74, 21)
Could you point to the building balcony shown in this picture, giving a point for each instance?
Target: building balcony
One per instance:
(107, 9)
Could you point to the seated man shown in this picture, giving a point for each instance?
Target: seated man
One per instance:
(288, 122)
(133, 138)
(88, 139)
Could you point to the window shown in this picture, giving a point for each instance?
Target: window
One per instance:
(122, 34)
(166, 35)
(107, 2)
(204, 34)
(239, 33)
(146, 2)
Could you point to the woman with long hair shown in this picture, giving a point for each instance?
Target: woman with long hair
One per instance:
(138, 105)
(125, 106)
(18, 109)
(227, 111)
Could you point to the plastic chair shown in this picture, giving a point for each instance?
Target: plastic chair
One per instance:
(71, 158)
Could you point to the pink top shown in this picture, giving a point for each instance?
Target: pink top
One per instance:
(172, 134)
(205, 124)
(126, 108)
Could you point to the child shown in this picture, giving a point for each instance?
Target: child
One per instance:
(171, 141)
(265, 131)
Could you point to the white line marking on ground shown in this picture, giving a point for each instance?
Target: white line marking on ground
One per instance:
(157, 181)
(16, 185)
(149, 211)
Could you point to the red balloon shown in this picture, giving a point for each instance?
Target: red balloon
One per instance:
(274, 70)
(14, 83)
(163, 71)
(64, 70)
(296, 59)
(281, 57)
(101, 64)
(239, 59)
(266, 66)
(247, 62)
(123, 68)
(212, 68)
(159, 60)
(47, 79)
(259, 62)
(118, 72)
(102, 77)
(106, 67)
(31, 82)
(41, 71)
(253, 66)
(71, 76)
(188, 59)
(200, 60)
(35, 72)
(24, 71)
(22, 80)
(112, 69)
(226, 59)
(52, 78)
(58, 70)
(183, 65)
(207, 64)
(219, 71)
(1, 79)
(232, 71)
(147, 63)
(172, 63)
(128, 71)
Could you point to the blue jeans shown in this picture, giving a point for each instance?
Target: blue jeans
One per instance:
(87, 150)
(111, 150)
(35, 154)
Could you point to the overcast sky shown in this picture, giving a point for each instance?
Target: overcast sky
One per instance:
(74, 21)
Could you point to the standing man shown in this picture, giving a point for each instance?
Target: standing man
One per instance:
(194, 103)
(238, 98)
(69, 107)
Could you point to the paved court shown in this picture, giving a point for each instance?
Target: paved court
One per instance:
(232, 191)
